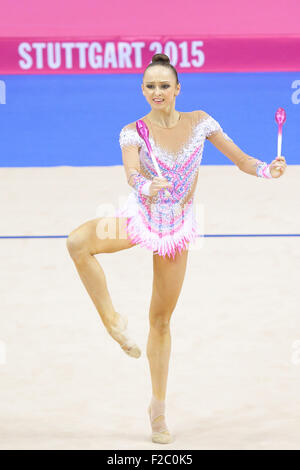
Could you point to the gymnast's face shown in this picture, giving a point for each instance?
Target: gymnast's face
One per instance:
(160, 83)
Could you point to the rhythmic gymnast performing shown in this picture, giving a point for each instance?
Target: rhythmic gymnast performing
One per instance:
(161, 154)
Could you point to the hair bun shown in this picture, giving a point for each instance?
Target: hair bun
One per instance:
(160, 58)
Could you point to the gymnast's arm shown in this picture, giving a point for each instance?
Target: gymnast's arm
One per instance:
(131, 163)
(243, 161)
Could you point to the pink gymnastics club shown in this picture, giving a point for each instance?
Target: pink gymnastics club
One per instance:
(143, 132)
(280, 118)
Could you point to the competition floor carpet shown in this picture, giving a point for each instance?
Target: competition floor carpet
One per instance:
(234, 377)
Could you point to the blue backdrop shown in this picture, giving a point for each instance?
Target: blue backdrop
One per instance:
(51, 120)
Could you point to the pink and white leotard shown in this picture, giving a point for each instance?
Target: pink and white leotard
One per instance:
(166, 225)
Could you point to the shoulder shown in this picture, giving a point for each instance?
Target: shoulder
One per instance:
(207, 119)
(209, 125)
(129, 135)
(129, 127)
(199, 115)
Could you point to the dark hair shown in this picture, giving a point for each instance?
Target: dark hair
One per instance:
(162, 59)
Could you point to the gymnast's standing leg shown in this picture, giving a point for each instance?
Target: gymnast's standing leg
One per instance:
(168, 277)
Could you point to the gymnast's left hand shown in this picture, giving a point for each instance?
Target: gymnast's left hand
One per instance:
(278, 167)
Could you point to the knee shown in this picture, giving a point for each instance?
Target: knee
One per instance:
(75, 244)
(160, 323)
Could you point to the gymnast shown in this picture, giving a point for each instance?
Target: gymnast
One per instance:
(159, 216)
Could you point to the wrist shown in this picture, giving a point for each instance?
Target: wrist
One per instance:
(266, 172)
(145, 189)
(263, 170)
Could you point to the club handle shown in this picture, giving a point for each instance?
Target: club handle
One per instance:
(166, 192)
(279, 142)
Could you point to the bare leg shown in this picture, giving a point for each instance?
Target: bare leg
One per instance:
(167, 283)
(83, 243)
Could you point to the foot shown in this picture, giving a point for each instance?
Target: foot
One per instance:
(120, 333)
(160, 432)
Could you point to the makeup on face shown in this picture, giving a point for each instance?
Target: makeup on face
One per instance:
(164, 85)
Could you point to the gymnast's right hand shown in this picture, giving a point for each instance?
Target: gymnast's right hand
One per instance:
(158, 184)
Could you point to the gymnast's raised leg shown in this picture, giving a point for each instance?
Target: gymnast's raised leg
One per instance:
(83, 243)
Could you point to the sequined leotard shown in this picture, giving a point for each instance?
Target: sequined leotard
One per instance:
(166, 225)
